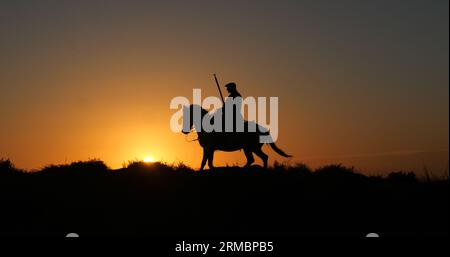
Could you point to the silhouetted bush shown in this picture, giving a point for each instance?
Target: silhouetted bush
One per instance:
(91, 166)
(8, 168)
(6, 165)
(144, 166)
(334, 169)
(134, 165)
(182, 167)
(402, 177)
(300, 168)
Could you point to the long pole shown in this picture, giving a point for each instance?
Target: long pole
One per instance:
(220, 91)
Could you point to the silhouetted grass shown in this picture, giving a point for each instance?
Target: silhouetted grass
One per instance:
(7, 167)
(91, 166)
(157, 199)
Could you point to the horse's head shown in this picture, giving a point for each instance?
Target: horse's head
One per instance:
(188, 117)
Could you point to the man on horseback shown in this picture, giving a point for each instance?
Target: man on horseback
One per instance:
(234, 135)
(231, 112)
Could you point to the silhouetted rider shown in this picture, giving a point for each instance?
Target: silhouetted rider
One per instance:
(231, 88)
(233, 103)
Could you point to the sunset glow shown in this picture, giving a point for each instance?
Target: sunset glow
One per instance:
(82, 80)
(149, 159)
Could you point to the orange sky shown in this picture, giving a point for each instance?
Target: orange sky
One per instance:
(83, 81)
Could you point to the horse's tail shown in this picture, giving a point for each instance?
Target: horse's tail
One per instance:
(279, 151)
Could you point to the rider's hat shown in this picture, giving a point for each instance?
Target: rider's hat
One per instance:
(231, 85)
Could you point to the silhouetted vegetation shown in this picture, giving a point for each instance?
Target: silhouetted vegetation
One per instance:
(157, 199)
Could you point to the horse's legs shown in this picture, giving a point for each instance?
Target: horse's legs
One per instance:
(210, 155)
(205, 157)
(249, 155)
(258, 151)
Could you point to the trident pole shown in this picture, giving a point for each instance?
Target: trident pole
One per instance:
(220, 91)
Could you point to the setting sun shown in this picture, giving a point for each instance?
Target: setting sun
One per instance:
(149, 159)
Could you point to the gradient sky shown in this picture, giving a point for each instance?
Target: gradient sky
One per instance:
(362, 83)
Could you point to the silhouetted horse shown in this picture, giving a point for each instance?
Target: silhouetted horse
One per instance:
(228, 141)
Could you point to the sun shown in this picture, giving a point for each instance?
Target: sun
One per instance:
(149, 159)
